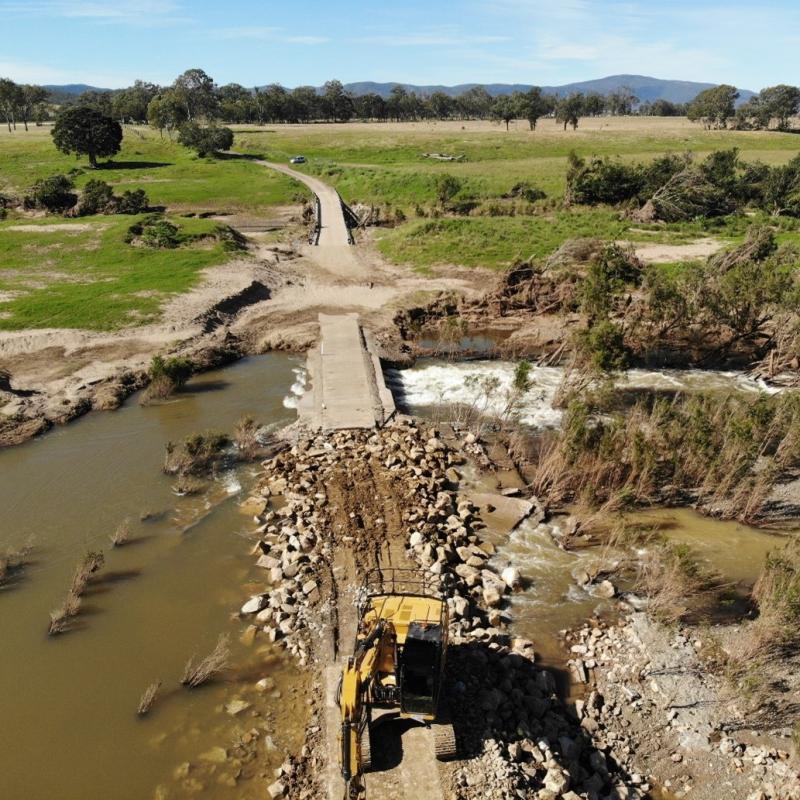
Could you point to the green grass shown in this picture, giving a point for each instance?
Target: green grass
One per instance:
(170, 174)
(495, 242)
(93, 279)
(384, 165)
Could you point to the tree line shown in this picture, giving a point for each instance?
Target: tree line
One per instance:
(195, 97)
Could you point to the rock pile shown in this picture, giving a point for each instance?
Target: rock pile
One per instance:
(521, 741)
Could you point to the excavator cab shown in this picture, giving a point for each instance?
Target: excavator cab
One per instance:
(421, 664)
(397, 666)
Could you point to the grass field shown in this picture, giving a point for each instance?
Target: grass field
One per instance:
(384, 164)
(170, 174)
(83, 274)
(90, 278)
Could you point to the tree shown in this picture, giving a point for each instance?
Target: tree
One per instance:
(336, 103)
(10, 101)
(100, 101)
(85, 131)
(195, 89)
(206, 141)
(779, 103)
(621, 101)
(302, 105)
(442, 105)
(166, 112)
(235, 103)
(594, 104)
(131, 104)
(504, 108)
(570, 109)
(32, 96)
(475, 102)
(534, 105)
(713, 106)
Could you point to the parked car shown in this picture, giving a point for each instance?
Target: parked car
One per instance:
(298, 160)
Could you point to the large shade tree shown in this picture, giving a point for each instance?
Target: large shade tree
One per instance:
(86, 131)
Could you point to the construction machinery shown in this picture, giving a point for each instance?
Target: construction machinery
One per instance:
(397, 667)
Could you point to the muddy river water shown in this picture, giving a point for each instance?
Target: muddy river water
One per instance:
(69, 728)
(67, 703)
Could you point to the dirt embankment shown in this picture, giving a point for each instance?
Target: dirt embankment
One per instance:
(336, 505)
(265, 300)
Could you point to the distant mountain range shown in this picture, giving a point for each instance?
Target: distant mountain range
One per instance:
(645, 88)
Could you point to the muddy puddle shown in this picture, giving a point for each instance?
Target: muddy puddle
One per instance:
(69, 724)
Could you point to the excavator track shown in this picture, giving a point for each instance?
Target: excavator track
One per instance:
(366, 750)
(444, 742)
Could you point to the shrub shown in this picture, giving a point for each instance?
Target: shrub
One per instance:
(527, 191)
(97, 198)
(197, 452)
(52, 194)
(160, 234)
(166, 375)
(231, 239)
(133, 202)
(148, 698)
(601, 347)
(447, 187)
(601, 181)
(206, 141)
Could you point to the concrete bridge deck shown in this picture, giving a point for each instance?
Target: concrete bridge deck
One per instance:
(347, 386)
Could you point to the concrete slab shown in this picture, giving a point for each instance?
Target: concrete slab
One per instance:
(347, 386)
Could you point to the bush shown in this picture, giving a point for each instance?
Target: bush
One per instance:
(230, 238)
(601, 181)
(155, 231)
(53, 194)
(527, 191)
(97, 198)
(176, 369)
(601, 347)
(133, 202)
(206, 141)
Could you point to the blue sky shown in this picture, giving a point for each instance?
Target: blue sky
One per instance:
(750, 44)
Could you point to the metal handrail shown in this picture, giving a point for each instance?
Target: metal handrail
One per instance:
(400, 580)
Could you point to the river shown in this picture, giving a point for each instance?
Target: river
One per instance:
(69, 728)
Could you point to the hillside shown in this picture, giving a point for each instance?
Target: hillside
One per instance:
(645, 88)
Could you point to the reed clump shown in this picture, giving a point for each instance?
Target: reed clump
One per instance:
(121, 534)
(198, 672)
(245, 436)
(196, 454)
(672, 581)
(61, 617)
(723, 452)
(148, 698)
(13, 560)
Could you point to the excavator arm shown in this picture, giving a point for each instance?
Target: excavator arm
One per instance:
(356, 679)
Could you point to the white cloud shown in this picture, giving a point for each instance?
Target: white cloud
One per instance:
(143, 12)
(429, 39)
(264, 33)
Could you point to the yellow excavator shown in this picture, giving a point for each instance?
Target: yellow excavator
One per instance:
(396, 668)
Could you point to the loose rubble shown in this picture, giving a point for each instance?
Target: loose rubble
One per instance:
(668, 718)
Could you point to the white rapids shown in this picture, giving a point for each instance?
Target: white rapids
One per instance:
(437, 383)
